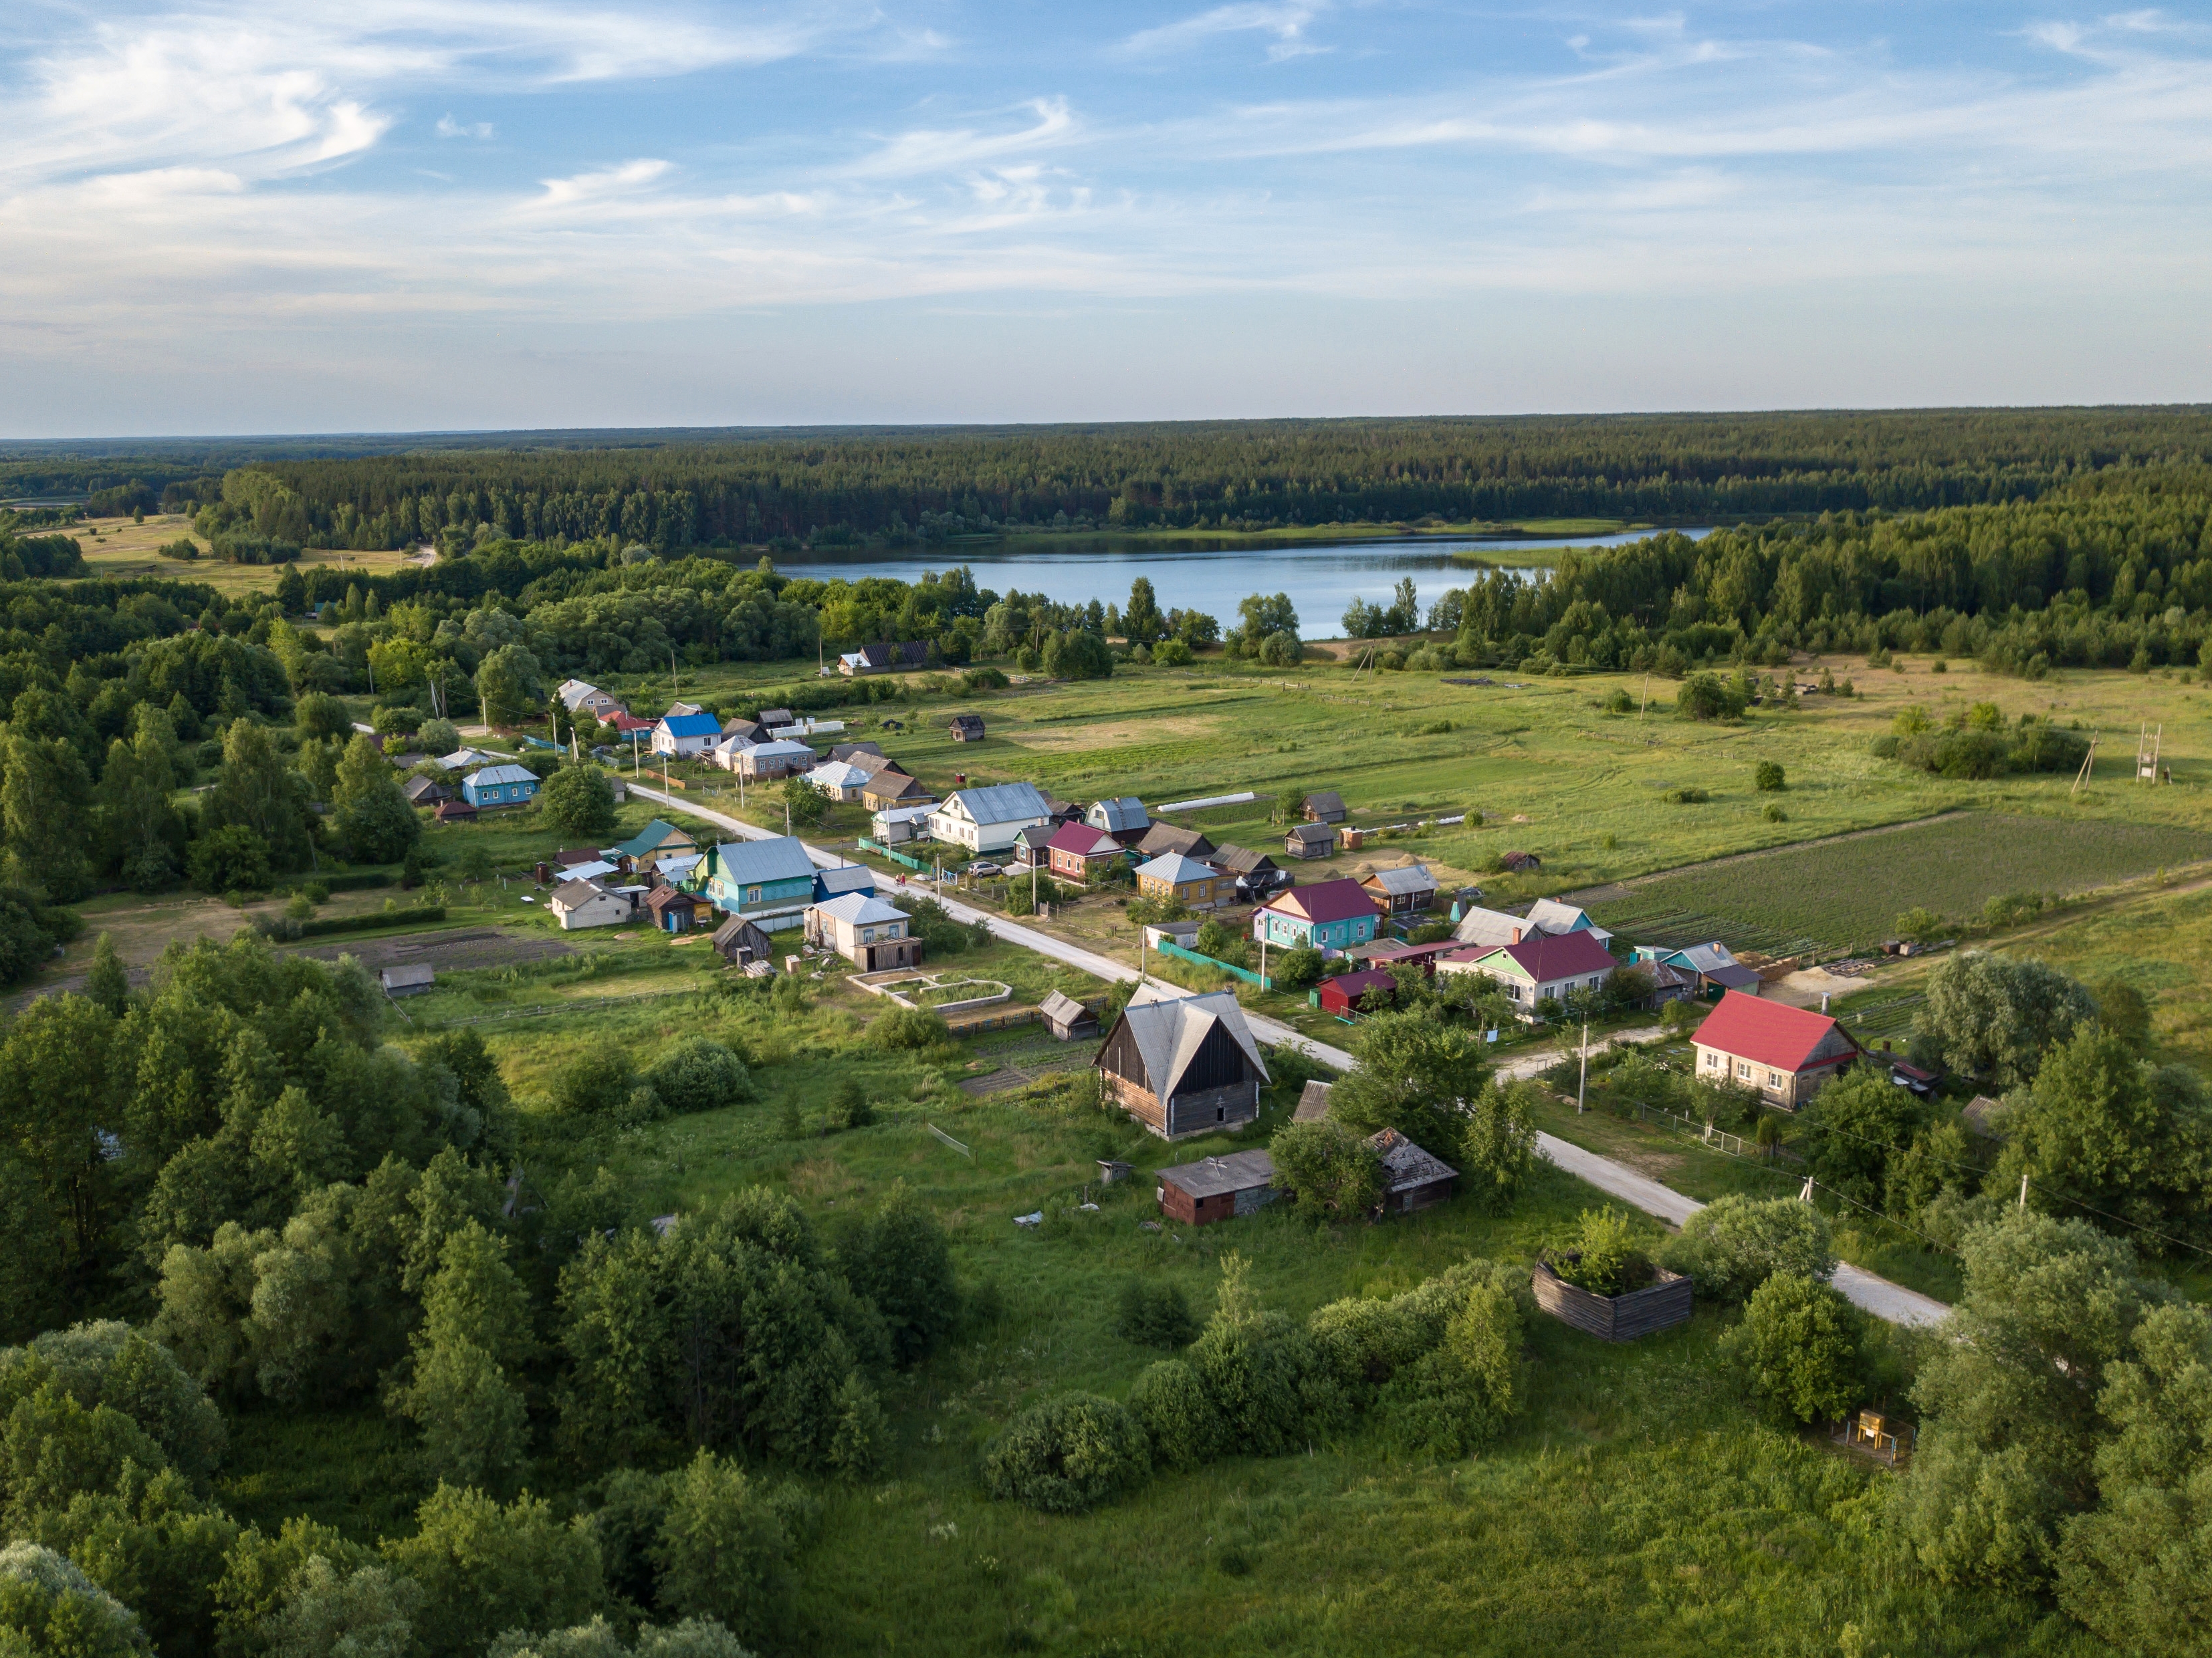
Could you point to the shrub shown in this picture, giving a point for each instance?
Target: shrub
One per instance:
(909, 1027)
(1619, 702)
(1768, 777)
(850, 1107)
(1282, 649)
(1798, 1349)
(1459, 1394)
(700, 1074)
(1172, 653)
(1685, 796)
(1735, 1243)
(1177, 1413)
(1603, 1256)
(597, 1082)
(1708, 696)
(233, 859)
(1066, 1454)
(1155, 1313)
(1774, 814)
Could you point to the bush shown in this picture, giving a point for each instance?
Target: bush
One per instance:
(1172, 653)
(1330, 1173)
(1282, 649)
(1155, 1313)
(1601, 1256)
(1708, 696)
(1067, 1454)
(909, 1027)
(700, 1074)
(1685, 796)
(1798, 1349)
(1774, 814)
(595, 1083)
(1177, 1413)
(577, 803)
(1735, 1243)
(850, 1107)
(233, 859)
(1768, 777)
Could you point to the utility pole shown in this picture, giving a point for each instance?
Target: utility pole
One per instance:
(1582, 1087)
(2023, 1190)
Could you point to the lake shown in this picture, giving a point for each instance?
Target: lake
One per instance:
(1322, 577)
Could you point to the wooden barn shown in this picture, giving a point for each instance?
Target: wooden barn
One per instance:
(1068, 1018)
(741, 944)
(1182, 1064)
(1412, 1178)
(967, 728)
(1218, 1189)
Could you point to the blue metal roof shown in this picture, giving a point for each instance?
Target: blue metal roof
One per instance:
(692, 724)
(747, 862)
(491, 775)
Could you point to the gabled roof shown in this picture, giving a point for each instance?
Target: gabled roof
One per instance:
(570, 895)
(1356, 985)
(837, 774)
(462, 759)
(1240, 860)
(1324, 800)
(1171, 837)
(1040, 835)
(1406, 1165)
(1082, 841)
(860, 909)
(967, 721)
(1325, 901)
(854, 751)
(417, 788)
(1063, 1007)
(1123, 812)
(1412, 878)
(1313, 1103)
(891, 784)
(1176, 870)
(1766, 1033)
(783, 858)
(691, 724)
(598, 869)
(1703, 958)
(783, 749)
(653, 835)
(738, 726)
(1001, 803)
(1564, 955)
(775, 716)
(1168, 1028)
(1553, 916)
(1312, 833)
(736, 927)
(666, 898)
(1492, 927)
(1735, 977)
(907, 814)
(491, 776)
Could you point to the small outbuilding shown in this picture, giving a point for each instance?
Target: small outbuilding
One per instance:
(1412, 1178)
(1326, 806)
(674, 910)
(453, 812)
(584, 903)
(1161, 839)
(1313, 1101)
(425, 791)
(741, 944)
(967, 728)
(1068, 1018)
(1310, 840)
(1218, 1189)
(1355, 993)
(406, 980)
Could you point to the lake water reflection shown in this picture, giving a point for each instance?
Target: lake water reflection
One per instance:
(1322, 579)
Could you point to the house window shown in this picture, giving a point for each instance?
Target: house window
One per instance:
(1774, 1079)
(1713, 1061)
(752, 895)
(1743, 1067)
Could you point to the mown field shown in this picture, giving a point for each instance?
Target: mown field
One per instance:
(1846, 894)
(118, 547)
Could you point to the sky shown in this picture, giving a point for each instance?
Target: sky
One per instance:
(324, 216)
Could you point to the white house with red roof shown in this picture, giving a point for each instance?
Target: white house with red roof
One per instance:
(1787, 1053)
(1326, 915)
(1545, 967)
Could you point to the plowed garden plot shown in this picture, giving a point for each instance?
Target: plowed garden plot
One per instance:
(452, 951)
(1847, 893)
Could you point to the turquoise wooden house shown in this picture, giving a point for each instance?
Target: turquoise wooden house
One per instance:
(500, 786)
(1326, 915)
(769, 882)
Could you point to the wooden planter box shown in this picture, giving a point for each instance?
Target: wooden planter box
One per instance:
(1659, 1306)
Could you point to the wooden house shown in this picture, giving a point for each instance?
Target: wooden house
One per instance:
(1310, 840)
(1173, 878)
(1537, 969)
(741, 944)
(1065, 1017)
(1326, 915)
(967, 728)
(889, 788)
(1787, 1053)
(500, 787)
(674, 910)
(1182, 1065)
(1356, 992)
(453, 812)
(1218, 1189)
(1326, 806)
(1124, 818)
(658, 843)
(864, 753)
(1412, 1178)
(1076, 851)
(1160, 839)
(885, 658)
(771, 881)
(1406, 891)
(425, 791)
(1246, 865)
(1032, 846)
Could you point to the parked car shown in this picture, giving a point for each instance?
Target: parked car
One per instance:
(986, 868)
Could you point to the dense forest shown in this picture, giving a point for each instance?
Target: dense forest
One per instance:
(830, 488)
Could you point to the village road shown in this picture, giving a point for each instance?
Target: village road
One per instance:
(1893, 1303)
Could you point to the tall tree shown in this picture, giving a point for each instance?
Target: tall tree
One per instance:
(257, 791)
(374, 817)
(42, 812)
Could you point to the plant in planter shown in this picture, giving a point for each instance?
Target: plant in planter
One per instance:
(1602, 1258)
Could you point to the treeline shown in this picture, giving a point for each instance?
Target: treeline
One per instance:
(228, 1191)
(906, 485)
(2109, 571)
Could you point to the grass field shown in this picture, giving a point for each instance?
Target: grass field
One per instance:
(1844, 894)
(117, 547)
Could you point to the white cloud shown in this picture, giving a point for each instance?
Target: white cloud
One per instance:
(1285, 20)
(449, 128)
(927, 150)
(585, 188)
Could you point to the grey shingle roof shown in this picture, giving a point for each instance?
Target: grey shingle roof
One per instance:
(1210, 1177)
(1405, 1164)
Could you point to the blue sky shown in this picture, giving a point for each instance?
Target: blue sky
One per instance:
(242, 216)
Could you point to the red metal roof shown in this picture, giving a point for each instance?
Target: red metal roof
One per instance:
(1326, 901)
(1082, 841)
(1352, 987)
(1765, 1033)
(1550, 956)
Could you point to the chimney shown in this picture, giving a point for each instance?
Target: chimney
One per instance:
(1517, 935)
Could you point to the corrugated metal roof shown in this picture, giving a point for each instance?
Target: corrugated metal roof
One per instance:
(691, 724)
(1213, 1177)
(860, 909)
(1770, 1033)
(1413, 878)
(744, 862)
(1176, 870)
(1123, 812)
(493, 774)
(1325, 901)
(1001, 803)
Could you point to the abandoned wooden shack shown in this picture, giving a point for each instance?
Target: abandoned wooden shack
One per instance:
(1217, 1189)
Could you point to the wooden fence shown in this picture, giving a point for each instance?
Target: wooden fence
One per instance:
(1614, 1317)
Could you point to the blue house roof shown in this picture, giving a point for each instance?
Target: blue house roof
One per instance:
(852, 877)
(495, 775)
(691, 724)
